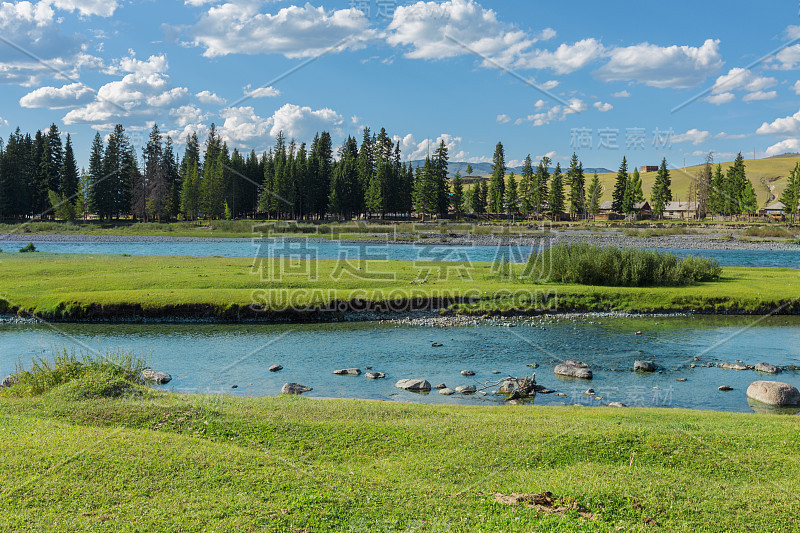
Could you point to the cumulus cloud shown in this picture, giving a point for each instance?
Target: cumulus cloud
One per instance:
(262, 92)
(719, 99)
(796, 87)
(102, 8)
(72, 95)
(424, 27)
(143, 91)
(557, 113)
(503, 119)
(414, 150)
(693, 136)
(790, 124)
(565, 59)
(187, 114)
(788, 57)
(760, 95)
(603, 107)
(787, 145)
(294, 31)
(658, 66)
(207, 97)
(301, 121)
(621, 94)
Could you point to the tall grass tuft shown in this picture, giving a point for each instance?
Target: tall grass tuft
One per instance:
(589, 264)
(109, 374)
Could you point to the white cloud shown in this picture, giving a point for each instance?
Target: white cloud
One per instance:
(242, 125)
(719, 99)
(742, 79)
(414, 150)
(656, 66)
(303, 122)
(557, 113)
(503, 119)
(760, 95)
(262, 92)
(144, 91)
(72, 95)
(621, 94)
(693, 136)
(603, 107)
(796, 87)
(789, 57)
(207, 97)
(789, 124)
(565, 59)
(550, 155)
(103, 8)
(785, 146)
(294, 31)
(540, 104)
(3, 122)
(186, 115)
(549, 85)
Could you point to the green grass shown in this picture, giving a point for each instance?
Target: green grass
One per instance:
(588, 264)
(86, 287)
(769, 232)
(169, 462)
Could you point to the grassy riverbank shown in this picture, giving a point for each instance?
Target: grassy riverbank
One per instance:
(171, 462)
(62, 286)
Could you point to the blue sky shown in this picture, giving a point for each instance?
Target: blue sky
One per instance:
(599, 78)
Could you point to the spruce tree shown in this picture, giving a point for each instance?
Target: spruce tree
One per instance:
(526, 186)
(661, 194)
(577, 185)
(69, 172)
(556, 201)
(595, 193)
(791, 194)
(458, 195)
(512, 195)
(497, 181)
(619, 188)
(541, 186)
(716, 197)
(735, 187)
(100, 201)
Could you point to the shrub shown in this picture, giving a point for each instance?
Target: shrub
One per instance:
(588, 264)
(775, 231)
(27, 248)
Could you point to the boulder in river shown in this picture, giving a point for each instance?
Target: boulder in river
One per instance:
(275, 368)
(294, 388)
(644, 366)
(441, 386)
(374, 375)
(8, 381)
(467, 373)
(348, 372)
(774, 393)
(447, 392)
(616, 404)
(725, 388)
(466, 389)
(148, 374)
(419, 385)
(733, 366)
(767, 368)
(573, 369)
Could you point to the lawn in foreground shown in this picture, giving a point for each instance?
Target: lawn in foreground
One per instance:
(66, 286)
(170, 462)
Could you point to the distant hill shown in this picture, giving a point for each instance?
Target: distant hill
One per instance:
(784, 156)
(485, 169)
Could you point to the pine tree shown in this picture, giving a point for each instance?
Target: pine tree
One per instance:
(458, 195)
(619, 188)
(345, 190)
(791, 194)
(426, 188)
(100, 200)
(749, 201)
(469, 170)
(577, 185)
(541, 193)
(476, 203)
(633, 193)
(661, 194)
(69, 172)
(82, 196)
(716, 200)
(735, 187)
(190, 192)
(595, 193)
(526, 186)
(556, 200)
(442, 183)
(512, 195)
(497, 181)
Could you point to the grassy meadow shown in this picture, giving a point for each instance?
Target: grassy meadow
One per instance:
(82, 286)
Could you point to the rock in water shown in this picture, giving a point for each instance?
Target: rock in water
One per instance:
(348, 372)
(467, 373)
(441, 386)
(148, 374)
(413, 385)
(644, 366)
(275, 368)
(447, 392)
(573, 369)
(374, 375)
(295, 388)
(8, 381)
(774, 393)
(725, 388)
(616, 404)
(466, 389)
(767, 368)
(733, 366)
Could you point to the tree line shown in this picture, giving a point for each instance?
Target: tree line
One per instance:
(39, 176)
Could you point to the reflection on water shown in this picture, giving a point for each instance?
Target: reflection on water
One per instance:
(215, 358)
